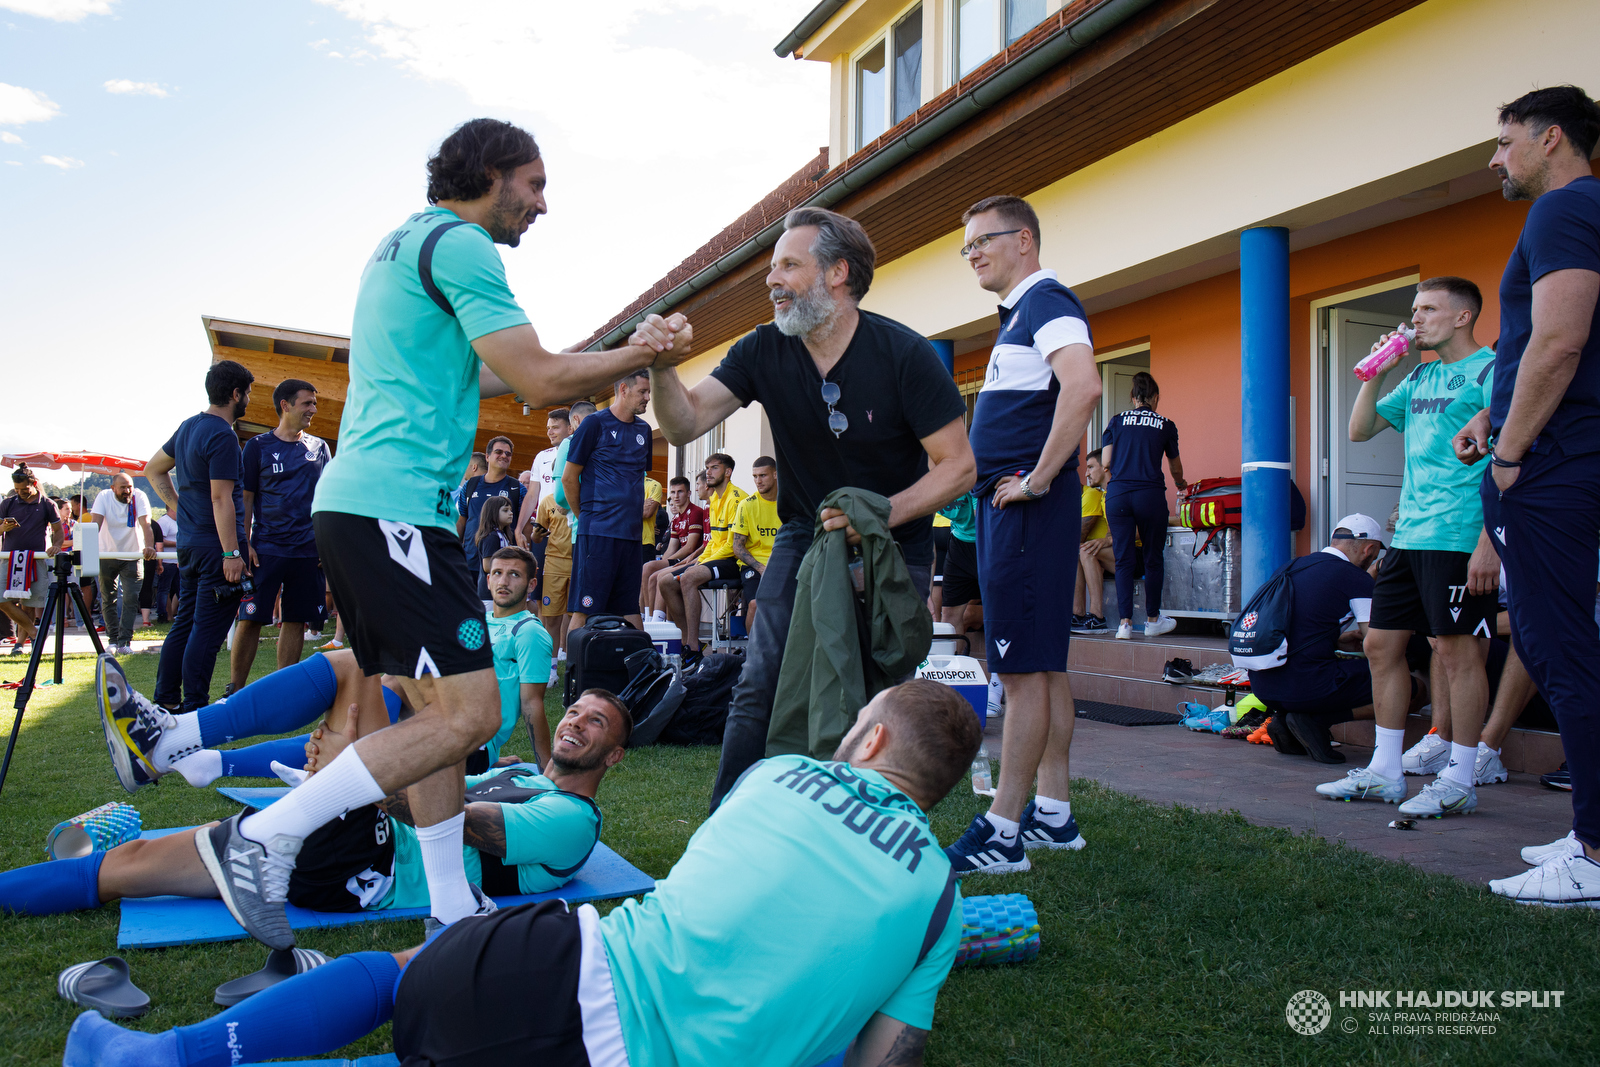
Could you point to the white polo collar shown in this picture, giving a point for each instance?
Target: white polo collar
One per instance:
(1027, 283)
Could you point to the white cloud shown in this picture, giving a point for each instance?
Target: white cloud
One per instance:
(12, 163)
(19, 105)
(133, 88)
(7, 137)
(64, 162)
(59, 10)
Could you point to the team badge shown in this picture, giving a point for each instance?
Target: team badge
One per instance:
(1248, 622)
(639, 437)
(588, 601)
(471, 634)
(1456, 382)
(250, 607)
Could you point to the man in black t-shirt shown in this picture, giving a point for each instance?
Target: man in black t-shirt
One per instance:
(25, 515)
(853, 399)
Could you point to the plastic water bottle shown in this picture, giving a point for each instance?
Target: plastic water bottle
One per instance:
(1393, 351)
(982, 777)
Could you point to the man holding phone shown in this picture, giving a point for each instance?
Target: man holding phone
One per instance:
(23, 519)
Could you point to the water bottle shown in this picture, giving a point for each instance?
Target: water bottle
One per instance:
(1393, 351)
(982, 778)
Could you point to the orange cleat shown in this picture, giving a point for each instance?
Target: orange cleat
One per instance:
(1259, 735)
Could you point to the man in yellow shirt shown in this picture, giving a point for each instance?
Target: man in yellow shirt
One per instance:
(655, 498)
(551, 527)
(1094, 550)
(755, 527)
(717, 562)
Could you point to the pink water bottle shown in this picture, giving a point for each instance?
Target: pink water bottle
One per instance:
(1393, 351)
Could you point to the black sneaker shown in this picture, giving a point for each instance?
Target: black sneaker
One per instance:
(251, 878)
(1178, 671)
(1558, 779)
(1312, 733)
(1092, 624)
(1078, 620)
(1282, 740)
(692, 658)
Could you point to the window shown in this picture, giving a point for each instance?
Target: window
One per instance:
(887, 93)
(981, 26)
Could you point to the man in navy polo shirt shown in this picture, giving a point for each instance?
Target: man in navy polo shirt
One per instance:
(1040, 388)
(1541, 431)
(209, 504)
(603, 481)
(280, 472)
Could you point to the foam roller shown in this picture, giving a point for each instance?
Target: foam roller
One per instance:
(997, 929)
(99, 830)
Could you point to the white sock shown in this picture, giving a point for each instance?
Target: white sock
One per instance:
(199, 769)
(1485, 744)
(180, 741)
(1051, 812)
(561, 657)
(1005, 829)
(341, 786)
(1463, 761)
(658, 615)
(448, 892)
(1386, 755)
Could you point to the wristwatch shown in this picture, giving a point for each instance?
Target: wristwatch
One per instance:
(231, 555)
(1027, 488)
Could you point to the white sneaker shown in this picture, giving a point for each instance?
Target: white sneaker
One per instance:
(1164, 625)
(1538, 855)
(1487, 768)
(1428, 756)
(1439, 798)
(1362, 784)
(1125, 632)
(1563, 882)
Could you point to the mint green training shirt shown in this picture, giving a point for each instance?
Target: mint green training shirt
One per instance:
(963, 518)
(558, 465)
(521, 647)
(411, 409)
(1439, 505)
(815, 896)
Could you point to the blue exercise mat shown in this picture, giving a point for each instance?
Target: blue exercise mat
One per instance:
(388, 1059)
(256, 796)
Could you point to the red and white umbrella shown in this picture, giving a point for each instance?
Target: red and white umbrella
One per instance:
(82, 462)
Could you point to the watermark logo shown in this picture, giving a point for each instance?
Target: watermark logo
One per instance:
(1308, 1012)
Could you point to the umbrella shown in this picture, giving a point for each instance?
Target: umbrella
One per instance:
(82, 462)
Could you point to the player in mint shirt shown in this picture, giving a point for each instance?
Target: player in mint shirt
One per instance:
(436, 328)
(812, 910)
(521, 652)
(1441, 576)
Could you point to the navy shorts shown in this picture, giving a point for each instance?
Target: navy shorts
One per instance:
(1352, 690)
(1027, 567)
(299, 577)
(605, 576)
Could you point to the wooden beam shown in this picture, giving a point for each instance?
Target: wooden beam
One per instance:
(331, 379)
(280, 333)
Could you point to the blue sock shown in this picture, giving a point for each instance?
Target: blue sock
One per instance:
(54, 887)
(309, 1014)
(282, 701)
(255, 761)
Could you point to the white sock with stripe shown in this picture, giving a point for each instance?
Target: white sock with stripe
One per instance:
(1463, 762)
(1005, 829)
(1053, 813)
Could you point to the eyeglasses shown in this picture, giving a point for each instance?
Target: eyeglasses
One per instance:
(836, 419)
(979, 243)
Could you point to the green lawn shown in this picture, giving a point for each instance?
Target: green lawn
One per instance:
(1176, 937)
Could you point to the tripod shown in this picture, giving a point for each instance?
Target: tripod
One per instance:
(61, 586)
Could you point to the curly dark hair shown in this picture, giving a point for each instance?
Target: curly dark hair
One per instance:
(462, 168)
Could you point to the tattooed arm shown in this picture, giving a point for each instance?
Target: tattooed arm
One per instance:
(886, 1042)
(398, 807)
(485, 829)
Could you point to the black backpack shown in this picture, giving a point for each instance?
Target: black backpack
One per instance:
(707, 692)
(653, 695)
(1259, 638)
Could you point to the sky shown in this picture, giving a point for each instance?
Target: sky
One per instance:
(164, 160)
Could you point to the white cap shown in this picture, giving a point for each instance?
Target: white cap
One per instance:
(1361, 527)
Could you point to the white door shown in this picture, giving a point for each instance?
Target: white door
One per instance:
(1366, 476)
(1116, 382)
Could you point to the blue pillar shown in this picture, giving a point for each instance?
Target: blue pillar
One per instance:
(947, 354)
(1264, 389)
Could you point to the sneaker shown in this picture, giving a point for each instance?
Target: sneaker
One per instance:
(1362, 784)
(1439, 798)
(133, 725)
(431, 927)
(1428, 756)
(1261, 735)
(95, 1041)
(1124, 631)
(1248, 724)
(1487, 768)
(1312, 733)
(1164, 625)
(251, 878)
(980, 851)
(1558, 779)
(692, 658)
(1538, 855)
(1035, 834)
(1077, 620)
(1563, 882)
(333, 646)
(1177, 671)
(1090, 624)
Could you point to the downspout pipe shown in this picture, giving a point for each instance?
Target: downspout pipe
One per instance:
(1077, 35)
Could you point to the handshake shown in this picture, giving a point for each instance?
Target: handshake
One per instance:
(670, 338)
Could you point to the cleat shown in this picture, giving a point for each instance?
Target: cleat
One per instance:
(432, 927)
(251, 878)
(1487, 768)
(1428, 756)
(1362, 784)
(1248, 724)
(1439, 798)
(1201, 719)
(1035, 834)
(1561, 882)
(980, 851)
(133, 725)
(1539, 855)
(1261, 735)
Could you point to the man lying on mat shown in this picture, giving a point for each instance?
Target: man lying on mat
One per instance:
(812, 912)
(146, 741)
(526, 832)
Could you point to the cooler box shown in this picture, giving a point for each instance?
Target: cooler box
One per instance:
(667, 638)
(945, 640)
(963, 674)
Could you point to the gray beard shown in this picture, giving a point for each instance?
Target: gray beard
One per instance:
(810, 309)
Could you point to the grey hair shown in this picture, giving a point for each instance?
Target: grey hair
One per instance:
(838, 238)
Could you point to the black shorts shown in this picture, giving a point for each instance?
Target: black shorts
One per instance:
(726, 569)
(1426, 591)
(346, 864)
(605, 576)
(650, 553)
(499, 989)
(301, 581)
(409, 602)
(960, 583)
(941, 545)
(752, 582)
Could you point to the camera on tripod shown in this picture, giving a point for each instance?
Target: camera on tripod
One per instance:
(234, 590)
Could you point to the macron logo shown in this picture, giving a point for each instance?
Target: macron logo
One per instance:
(1003, 646)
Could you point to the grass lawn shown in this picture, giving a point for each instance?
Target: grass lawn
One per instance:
(1176, 937)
